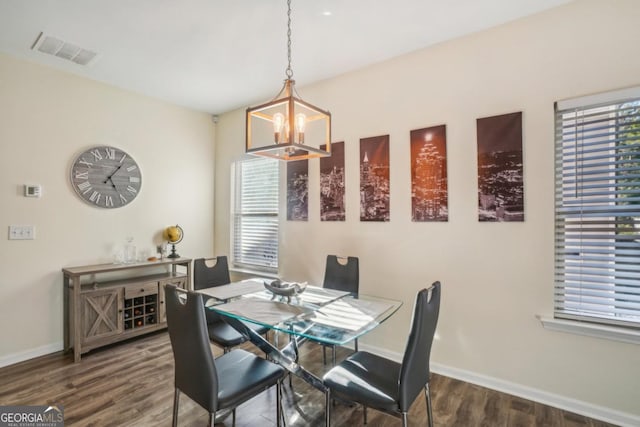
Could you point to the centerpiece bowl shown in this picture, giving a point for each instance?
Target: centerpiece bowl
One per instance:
(285, 289)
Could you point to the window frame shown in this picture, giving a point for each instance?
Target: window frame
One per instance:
(243, 261)
(584, 321)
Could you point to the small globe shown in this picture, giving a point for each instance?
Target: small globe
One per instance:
(173, 234)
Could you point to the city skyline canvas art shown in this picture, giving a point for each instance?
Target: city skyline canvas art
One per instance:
(374, 179)
(298, 190)
(429, 194)
(500, 168)
(332, 203)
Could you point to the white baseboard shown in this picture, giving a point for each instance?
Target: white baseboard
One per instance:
(14, 358)
(601, 413)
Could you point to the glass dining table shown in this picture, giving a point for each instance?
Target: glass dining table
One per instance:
(317, 314)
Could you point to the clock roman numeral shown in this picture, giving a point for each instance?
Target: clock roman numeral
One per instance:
(95, 197)
(86, 163)
(96, 155)
(134, 179)
(123, 199)
(110, 153)
(132, 168)
(82, 175)
(84, 187)
(131, 190)
(124, 156)
(108, 201)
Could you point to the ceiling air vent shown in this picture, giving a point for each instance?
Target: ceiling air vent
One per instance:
(62, 49)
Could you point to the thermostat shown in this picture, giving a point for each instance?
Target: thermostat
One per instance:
(32, 191)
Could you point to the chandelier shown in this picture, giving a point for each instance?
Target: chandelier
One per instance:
(288, 128)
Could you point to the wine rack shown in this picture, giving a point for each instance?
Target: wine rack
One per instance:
(140, 311)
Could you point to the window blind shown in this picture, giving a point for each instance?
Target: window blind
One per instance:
(255, 214)
(597, 210)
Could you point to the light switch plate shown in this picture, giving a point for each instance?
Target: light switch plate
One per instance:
(22, 232)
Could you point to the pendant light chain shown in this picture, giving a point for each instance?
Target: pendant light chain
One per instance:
(289, 71)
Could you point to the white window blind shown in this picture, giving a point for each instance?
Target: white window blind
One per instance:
(255, 214)
(597, 209)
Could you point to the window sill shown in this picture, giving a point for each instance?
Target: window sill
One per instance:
(591, 330)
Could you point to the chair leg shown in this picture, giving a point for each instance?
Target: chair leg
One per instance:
(327, 408)
(364, 413)
(405, 422)
(279, 403)
(356, 344)
(176, 401)
(233, 417)
(333, 355)
(212, 419)
(427, 393)
(324, 355)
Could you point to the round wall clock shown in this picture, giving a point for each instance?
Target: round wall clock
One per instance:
(106, 177)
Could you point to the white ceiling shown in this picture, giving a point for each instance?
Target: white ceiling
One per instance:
(218, 55)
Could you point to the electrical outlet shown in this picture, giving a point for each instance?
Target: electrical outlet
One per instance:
(22, 232)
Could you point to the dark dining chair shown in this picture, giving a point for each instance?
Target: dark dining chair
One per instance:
(342, 274)
(210, 272)
(215, 384)
(385, 385)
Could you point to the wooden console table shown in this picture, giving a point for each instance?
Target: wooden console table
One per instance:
(106, 303)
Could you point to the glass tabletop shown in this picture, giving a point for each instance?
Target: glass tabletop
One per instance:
(323, 315)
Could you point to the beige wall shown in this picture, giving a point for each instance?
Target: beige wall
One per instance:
(496, 276)
(46, 118)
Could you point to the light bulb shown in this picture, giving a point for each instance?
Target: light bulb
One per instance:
(301, 121)
(285, 136)
(278, 122)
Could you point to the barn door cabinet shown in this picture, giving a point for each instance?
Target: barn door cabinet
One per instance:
(107, 303)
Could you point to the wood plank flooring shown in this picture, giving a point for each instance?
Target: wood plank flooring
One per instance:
(131, 384)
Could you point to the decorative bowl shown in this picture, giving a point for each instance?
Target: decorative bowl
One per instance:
(285, 289)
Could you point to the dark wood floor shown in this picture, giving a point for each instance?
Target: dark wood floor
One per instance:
(131, 384)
